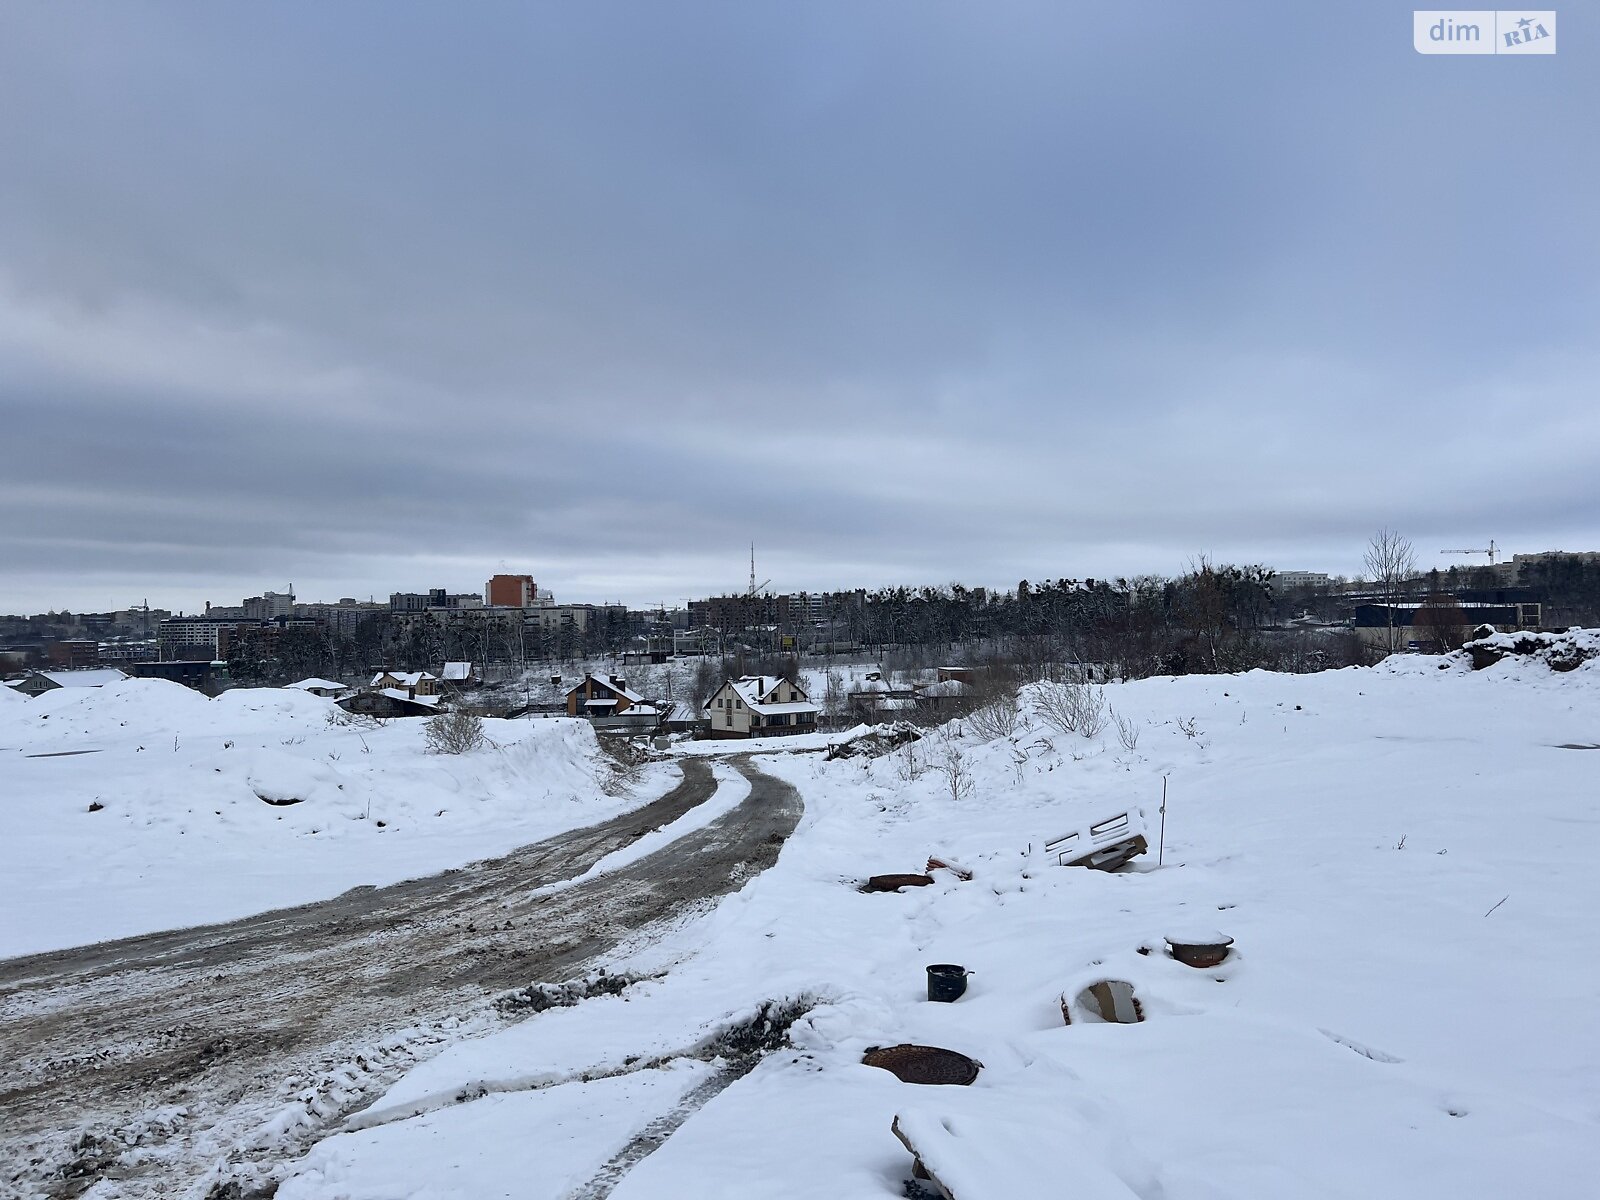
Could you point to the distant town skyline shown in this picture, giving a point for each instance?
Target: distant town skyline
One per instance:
(580, 592)
(371, 297)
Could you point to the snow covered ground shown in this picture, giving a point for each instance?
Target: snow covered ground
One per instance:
(1404, 857)
(215, 809)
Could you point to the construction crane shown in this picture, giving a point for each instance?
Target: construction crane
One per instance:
(1491, 551)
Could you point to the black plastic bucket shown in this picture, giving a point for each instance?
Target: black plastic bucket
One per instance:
(946, 982)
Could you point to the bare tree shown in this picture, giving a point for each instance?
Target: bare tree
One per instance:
(1442, 621)
(1391, 563)
(909, 764)
(834, 698)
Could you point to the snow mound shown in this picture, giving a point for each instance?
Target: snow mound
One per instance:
(275, 702)
(157, 705)
(290, 779)
(1558, 651)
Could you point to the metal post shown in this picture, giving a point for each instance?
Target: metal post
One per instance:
(1161, 849)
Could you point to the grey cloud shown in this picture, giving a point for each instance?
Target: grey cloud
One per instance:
(377, 296)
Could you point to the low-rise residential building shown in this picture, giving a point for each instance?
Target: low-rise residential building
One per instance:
(874, 697)
(201, 674)
(458, 675)
(328, 689)
(36, 683)
(611, 706)
(760, 706)
(601, 695)
(683, 717)
(412, 683)
(389, 702)
(946, 694)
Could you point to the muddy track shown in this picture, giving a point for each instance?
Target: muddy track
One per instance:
(216, 1018)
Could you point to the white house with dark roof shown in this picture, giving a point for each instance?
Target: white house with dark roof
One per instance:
(760, 706)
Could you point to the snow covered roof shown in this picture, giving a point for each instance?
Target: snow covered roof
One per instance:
(403, 678)
(947, 687)
(753, 690)
(682, 711)
(401, 694)
(616, 685)
(89, 678)
(457, 672)
(318, 685)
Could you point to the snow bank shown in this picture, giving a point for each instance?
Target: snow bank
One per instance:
(144, 805)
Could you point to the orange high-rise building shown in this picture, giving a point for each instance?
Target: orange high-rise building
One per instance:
(510, 591)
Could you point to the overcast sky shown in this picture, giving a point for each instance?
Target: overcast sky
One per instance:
(375, 297)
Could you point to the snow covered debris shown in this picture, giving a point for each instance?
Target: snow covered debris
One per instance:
(1558, 651)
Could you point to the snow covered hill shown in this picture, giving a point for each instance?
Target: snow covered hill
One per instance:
(1404, 857)
(143, 805)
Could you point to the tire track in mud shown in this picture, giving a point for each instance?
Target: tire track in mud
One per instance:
(188, 1040)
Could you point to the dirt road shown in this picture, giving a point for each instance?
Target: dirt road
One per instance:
(142, 1062)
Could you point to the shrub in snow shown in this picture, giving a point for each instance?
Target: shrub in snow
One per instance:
(457, 732)
(1072, 707)
(1127, 730)
(995, 719)
(957, 768)
(624, 760)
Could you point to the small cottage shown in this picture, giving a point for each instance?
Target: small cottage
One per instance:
(601, 696)
(38, 682)
(413, 683)
(326, 688)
